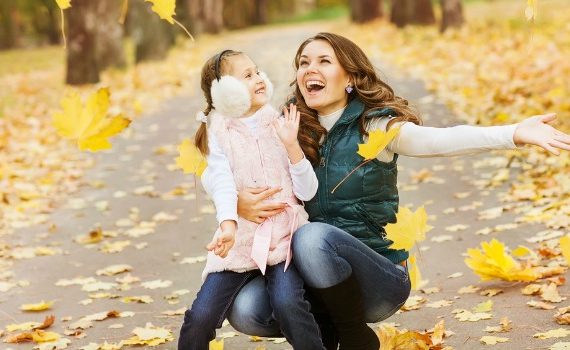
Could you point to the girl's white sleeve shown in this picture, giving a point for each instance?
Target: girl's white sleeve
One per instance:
(420, 141)
(218, 181)
(304, 179)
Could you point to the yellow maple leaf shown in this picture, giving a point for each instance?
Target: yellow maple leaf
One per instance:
(377, 141)
(164, 8)
(89, 126)
(191, 160)
(217, 344)
(63, 4)
(410, 227)
(492, 262)
(37, 307)
(40, 336)
(565, 247)
(415, 274)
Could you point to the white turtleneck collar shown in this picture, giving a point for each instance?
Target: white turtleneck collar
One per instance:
(327, 121)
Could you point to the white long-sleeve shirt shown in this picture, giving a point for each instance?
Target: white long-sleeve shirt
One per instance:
(218, 180)
(412, 140)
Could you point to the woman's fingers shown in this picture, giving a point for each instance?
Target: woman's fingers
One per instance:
(560, 145)
(268, 192)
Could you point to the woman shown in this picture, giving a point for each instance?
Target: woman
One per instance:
(350, 271)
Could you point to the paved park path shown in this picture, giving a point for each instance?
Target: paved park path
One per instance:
(163, 220)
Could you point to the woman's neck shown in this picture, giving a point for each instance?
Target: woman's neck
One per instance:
(338, 112)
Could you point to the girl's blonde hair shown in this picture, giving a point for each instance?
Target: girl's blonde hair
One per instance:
(212, 69)
(368, 87)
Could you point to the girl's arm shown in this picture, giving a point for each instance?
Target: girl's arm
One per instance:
(303, 176)
(219, 183)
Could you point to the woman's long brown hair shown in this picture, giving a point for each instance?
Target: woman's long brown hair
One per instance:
(208, 76)
(372, 91)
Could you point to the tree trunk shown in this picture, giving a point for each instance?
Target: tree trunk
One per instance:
(362, 11)
(110, 50)
(152, 36)
(423, 12)
(452, 14)
(400, 13)
(260, 11)
(205, 16)
(9, 33)
(239, 13)
(82, 65)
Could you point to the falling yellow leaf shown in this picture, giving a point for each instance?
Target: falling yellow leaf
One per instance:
(377, 141)
(217, 344)
(410, 227)
(565, 247)
(494, 263)
(89, 126)
(191, 160)
(415, 274)
(530, 11)
(63, 4)
(164, 8)
(37, 307)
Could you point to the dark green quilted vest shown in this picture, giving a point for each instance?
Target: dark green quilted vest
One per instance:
(368, 199)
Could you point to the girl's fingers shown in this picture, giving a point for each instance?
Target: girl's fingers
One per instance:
(551, 149)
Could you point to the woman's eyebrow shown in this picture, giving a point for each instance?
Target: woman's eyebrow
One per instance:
(321, 56)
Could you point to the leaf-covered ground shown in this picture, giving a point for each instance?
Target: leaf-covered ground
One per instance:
(108, 243)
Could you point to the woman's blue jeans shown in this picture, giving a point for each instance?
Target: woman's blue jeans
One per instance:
(325, 255)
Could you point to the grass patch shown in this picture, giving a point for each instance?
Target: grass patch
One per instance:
(28, 60)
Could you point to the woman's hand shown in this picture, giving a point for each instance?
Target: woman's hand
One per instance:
(288, 127)
(251, 205)
(536, 131)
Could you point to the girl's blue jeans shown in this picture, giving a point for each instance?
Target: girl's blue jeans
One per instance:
(283, 291)
(325, 255)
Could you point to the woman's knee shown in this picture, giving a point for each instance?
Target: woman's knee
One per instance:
(309, 238)
(251, 311)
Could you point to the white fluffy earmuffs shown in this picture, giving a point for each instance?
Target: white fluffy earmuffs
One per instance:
(230, 96)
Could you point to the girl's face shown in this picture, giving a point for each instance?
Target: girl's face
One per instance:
(243, 69)
(321, 78)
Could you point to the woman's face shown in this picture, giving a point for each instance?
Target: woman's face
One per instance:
(321, 78)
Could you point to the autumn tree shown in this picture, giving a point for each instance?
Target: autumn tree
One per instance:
(152, 36)
(362, 11)
(451, 14)
(404, 12)
(82, 64)
(202, 16)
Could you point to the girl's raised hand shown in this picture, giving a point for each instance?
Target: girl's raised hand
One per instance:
(536, 131)
(287, 128)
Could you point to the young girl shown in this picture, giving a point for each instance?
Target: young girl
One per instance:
(249, 144)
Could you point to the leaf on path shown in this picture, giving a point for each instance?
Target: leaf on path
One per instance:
(114, 270)
(190, 159)
(550, 294)
(492, 262)
(145, 299)
(216, 344)
(560, 346)
(563, 315)
(485, 306)
(505, 325)
(89, 126)
(149, 335)
(41, 306)
(540, 305)
(60, 343)
(491, 340)
(468, 289)
(565, 248)
(553, 333)
(156, 284)
(466, 315)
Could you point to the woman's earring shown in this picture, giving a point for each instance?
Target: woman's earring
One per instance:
(349, 89)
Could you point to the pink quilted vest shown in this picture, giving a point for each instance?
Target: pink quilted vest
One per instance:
(257, 160)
